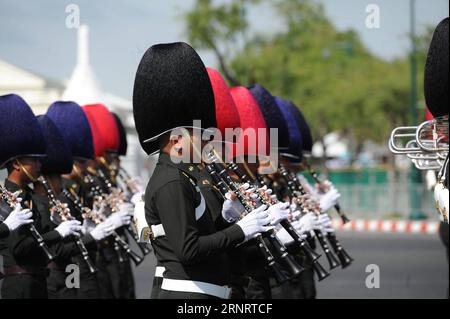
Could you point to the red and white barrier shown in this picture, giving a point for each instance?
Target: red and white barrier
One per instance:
(388, 226)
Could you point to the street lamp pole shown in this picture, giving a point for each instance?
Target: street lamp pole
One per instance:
(415, 176)
(413, 61)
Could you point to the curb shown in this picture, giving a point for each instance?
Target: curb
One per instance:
(388, 226)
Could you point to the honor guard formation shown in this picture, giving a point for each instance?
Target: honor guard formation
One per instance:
(233, 208)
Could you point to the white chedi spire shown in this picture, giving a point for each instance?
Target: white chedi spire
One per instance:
(82, 87)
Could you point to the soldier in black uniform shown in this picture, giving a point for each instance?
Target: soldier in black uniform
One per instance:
(171, 90)
(22, 143)
(74, 128)
(104, 170)
(58, 161)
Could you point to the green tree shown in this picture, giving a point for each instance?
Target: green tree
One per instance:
(218, 27)
(329, 74)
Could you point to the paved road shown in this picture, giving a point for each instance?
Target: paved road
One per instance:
(411, 266)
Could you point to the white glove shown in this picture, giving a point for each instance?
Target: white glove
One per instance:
(296, 214)
(309, 222)
(119, 219)
(18, 217)
(126, 209)
(325, 221)
(102, 231)
(137, 197)
(300, 228)
(88, 226)
(329, 199)
(278, 212)
(232, 209)
(293, 206)
(254, 222)
(68, 228)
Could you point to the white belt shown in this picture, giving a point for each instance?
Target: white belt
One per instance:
(196, 287)
(159, 271)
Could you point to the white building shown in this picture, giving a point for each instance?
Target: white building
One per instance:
(38, 91)
(82, 88)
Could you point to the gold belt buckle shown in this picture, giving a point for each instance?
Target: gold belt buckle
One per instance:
(148, 234)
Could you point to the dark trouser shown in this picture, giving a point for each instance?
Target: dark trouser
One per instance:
(156, 288)
(443, 234)
(126, 280)
(115, 277)
(89, 287)
(165, 294)
(255, 270)
(258, 287)
(302, 287)
(24, 287)
(56, 285)
(108, 273)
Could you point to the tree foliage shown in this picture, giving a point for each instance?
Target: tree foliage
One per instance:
(329, 74)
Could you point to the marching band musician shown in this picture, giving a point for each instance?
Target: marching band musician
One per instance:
(22, 146)
(58, 161)
(437, 100)
(171, 90)
(74, 128)
(115, 275)
(258, 286)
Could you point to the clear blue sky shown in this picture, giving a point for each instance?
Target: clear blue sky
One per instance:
(33, 33)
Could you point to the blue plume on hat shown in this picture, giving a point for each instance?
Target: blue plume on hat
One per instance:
(59, 158)
(73, 124)
(20, 133)
(294, 151)
(271, 113)
(305, 131)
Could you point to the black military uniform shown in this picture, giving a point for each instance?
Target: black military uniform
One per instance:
(302, 287)
(121, 275)
(23, 260)
(89, 286)
(4, 212)
(64, 250)
(4, 231)
(192, 248)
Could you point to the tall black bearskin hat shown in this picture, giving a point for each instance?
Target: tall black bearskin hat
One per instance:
(59, 157)
(436, 72)
(123, 144)
(73, 124)
(20, 133)
(272, 114)
(307, 140)
(294, 153)
(171, 90)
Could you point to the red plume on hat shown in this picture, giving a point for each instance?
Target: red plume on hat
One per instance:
(97, 139)
(250, 116)
(428, 115)
(227, 115)
(106, 125)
